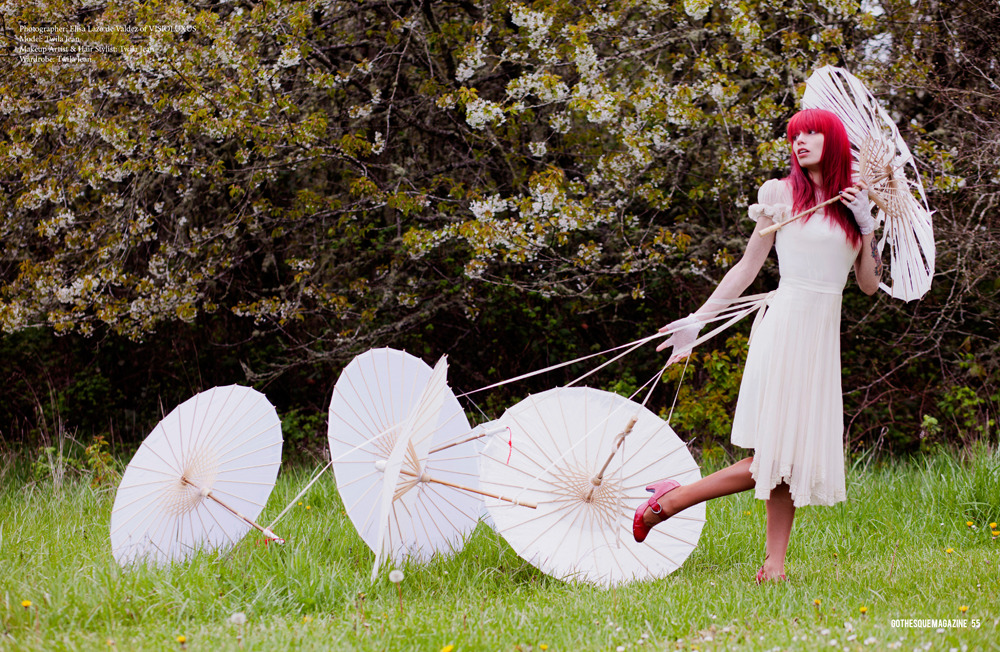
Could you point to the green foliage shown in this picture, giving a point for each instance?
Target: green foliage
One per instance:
(963, 408)
(304, 433)
(708, 392)
(101, 463)
(274, 188)
(624, 385)
(980, 492)
(52, 465)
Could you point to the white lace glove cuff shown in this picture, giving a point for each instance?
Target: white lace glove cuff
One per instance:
(861, 208)
(685, 333)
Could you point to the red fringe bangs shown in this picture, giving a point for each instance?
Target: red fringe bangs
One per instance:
(835, 165)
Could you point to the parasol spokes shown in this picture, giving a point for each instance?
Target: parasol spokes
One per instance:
(205, 492)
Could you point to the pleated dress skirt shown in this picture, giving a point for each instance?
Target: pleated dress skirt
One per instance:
(790, 409)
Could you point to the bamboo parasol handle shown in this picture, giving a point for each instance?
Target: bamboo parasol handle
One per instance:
(775, 227)
(485, 433)
(207, 493)
(426, 478)
(619, 440)
(871, 194)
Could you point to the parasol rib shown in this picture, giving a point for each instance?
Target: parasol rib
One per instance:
(207, 493)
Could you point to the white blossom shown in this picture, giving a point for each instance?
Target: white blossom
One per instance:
(697, 9)
(479, 112)
(559, 122)
(378, 145)
(473, 57)
(536, 22)
(488, 208)
(290, 56)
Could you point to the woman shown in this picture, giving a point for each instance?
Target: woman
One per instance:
(790, 406)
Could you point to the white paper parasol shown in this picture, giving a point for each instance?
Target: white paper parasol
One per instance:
(199, 479)
(405, 458)
(562, 438)
(883, 160)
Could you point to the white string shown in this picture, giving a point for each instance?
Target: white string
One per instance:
(300, 494)
(680, 381)
(737, 310)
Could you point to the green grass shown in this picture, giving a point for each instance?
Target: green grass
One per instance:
(885, 549)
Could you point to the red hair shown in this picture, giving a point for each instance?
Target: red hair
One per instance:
(835, 165)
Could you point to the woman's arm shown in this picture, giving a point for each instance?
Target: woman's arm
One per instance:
(868, 265)
(733, 284)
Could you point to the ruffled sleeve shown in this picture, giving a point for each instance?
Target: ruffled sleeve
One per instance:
(774, 200)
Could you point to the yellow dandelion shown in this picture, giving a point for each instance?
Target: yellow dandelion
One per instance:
(26, 604)
(308, 506)
(448, 648)
(995, 533)
(817, 602)
(963, 608)
(746, 513)
(543, 647)
(182, 639)
(300, 503)
(969, 523)
(949, 550)
(863, 609)
(993, 526)
(307, 619)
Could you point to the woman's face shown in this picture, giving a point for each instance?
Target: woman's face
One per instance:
(807, 146)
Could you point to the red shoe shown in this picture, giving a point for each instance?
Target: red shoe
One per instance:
(639, 529)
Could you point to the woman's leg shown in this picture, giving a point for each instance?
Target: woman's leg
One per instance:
(730, 480)
(780, 514)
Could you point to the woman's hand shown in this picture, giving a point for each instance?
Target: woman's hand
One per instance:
(684, 333)
(856, 200)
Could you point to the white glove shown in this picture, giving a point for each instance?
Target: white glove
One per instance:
(684, 332)
(861, 208)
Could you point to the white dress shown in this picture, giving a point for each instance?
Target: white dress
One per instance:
(790, 409)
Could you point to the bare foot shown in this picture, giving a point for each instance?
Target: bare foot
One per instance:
(771, 572)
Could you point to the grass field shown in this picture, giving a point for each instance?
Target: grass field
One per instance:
(900, 548)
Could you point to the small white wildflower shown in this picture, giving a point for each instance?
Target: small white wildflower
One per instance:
(238, 618)
(396, 576)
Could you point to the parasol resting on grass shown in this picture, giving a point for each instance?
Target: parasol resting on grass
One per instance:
(405, 457)
(199, 479)
(584, 456)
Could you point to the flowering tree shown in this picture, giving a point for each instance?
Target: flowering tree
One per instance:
(351, 174)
